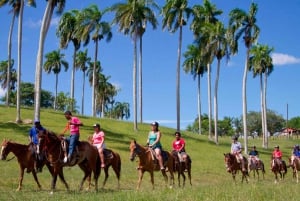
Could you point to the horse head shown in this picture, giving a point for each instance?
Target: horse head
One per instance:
(4, 150)
(229, 161)
(135, 149)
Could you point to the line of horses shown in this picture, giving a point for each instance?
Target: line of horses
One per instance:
(51, 154)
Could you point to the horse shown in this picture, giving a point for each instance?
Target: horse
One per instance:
(112, 159)
(278, 167)
(181, 166)
(26, 160)
(294, 163)
(87, 158)
(149, 164)
(233, 166)
(256, 165)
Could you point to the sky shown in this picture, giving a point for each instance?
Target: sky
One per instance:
(279, 28)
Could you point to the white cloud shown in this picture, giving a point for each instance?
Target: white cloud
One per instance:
(284, 59)
(37, 24)
(2, 92)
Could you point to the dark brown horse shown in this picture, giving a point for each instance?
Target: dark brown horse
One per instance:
(181, 166)
(278, 167)
(112, 159)
(146, 163)
(255, 166)
(233, 166)
(87, 158)
(26, 159)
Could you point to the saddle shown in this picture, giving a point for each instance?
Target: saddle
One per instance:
(164, 156)
(108, 154)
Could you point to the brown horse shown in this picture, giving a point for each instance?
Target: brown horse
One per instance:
(294, 163)
(233, 166)
(146, 163)
(278, 167)
(112, 159)
(181, 166)
(26, 159)
(256, 165)
(87, 158)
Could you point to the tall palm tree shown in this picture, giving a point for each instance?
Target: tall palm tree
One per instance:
(54, 63)
(203, 15)
(193, 64)
(66, 33)
(51, 4)
(261, 65)
(90, 22)
(130, 17)
(175, 15)
(3, 75)
(243, 23)
(81, 62)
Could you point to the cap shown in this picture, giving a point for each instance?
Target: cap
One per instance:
(254, 146)
(234, 137)
(96, 125)
(277, 146)
(37, 121)
(155, 124)
(68, 112)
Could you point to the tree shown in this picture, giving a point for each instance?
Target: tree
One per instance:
(90, 21)
(4, 78)
(242, 23)
(175, 15)
(261, 64)
(54, 63)
(66, 32)
(51, 4)
(193, 64)
(81, 62)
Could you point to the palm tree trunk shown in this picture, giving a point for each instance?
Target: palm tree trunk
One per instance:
(262, 111)
(94, 81)
(178, 79)
(134, 75)
(265, 112)
(9, 58)
(209, 100)
(141, 79)
(82, 97)
(244, 97)
(216, 102)
(199, 106)
(39, 61)
(20, 29)
(72, 79)
(56, 86)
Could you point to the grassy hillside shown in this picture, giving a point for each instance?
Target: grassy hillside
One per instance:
(209, 177)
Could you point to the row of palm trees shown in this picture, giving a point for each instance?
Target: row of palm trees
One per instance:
(212, 41)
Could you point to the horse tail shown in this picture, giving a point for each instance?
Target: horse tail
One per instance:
(263, 167)
(98, 165)
(118, 162)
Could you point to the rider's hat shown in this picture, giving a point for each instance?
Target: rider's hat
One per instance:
(234, 137)
(277, 146)
(155, 124)
(96, 125)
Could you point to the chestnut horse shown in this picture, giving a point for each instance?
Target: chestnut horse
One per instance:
(112, 159)
(278, 167)
(181, 166)
(26, 160)
(87, 158)
(233, 166)
(149, 164)
(294, 163)
(256, 165)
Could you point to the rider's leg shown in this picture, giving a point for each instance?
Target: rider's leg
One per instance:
(100, 150)
(159, 158)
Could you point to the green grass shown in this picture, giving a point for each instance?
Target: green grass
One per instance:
(209, 177)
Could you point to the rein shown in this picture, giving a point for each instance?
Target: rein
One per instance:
(11, 158)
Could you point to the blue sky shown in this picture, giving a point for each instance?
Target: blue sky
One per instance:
(279, 26)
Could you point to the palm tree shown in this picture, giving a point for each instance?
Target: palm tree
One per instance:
(54, 63)
(194, 65)
(203, 15)
(51, 4)
(66, 32)
(261, 64)
(90, 21)
(243, 23)
(81, 62)
(175, 15)
(3, 75)
(131, 18)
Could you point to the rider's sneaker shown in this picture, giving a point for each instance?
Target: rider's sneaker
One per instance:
(65, 159)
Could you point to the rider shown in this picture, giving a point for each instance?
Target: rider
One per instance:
(153, 142)
(277, 154)
(33, 139)
(73, 125)
(253, 154)
(296, 151)
(98, 142)
(236, 149)
(178, 146)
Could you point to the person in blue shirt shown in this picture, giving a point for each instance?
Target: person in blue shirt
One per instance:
(33, 139)
(296, 151)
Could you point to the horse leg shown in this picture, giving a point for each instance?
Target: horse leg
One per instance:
(106, 175)
(87, 173)
(141, 174)
(20, 179)
(117, 169)
(36, 179)
(165, 176)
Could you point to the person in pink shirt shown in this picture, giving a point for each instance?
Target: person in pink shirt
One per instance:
(73, 125)
(98, 142)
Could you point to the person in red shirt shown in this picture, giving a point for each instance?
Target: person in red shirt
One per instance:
(277, 154)
(178, 146)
